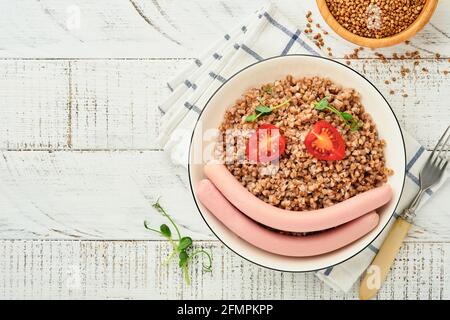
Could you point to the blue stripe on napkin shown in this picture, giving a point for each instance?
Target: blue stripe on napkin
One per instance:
(328, 271)
(414, 158)
(217, 76)
(289, 33)
(251, 52)
(192, 107)
(291, 43)
(373, 248)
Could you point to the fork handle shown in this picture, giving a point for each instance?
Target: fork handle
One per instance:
(410, 212)
(378, 270)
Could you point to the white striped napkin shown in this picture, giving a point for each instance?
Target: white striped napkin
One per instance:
(264, 34)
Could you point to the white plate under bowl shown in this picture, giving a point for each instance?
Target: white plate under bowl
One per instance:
(300, 66)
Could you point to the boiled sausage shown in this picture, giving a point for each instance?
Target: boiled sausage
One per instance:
(294, 221)
(275, 242)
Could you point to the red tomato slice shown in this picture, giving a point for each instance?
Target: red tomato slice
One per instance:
(266, 144)
(324, 142)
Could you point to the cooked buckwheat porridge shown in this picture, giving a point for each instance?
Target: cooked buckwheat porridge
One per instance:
(302, 181)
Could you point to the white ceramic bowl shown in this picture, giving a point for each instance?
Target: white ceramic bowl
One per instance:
(299, 66)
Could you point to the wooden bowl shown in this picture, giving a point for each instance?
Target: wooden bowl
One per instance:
(416, 26)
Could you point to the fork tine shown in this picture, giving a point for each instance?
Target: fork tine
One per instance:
(438, 146)
(445, 166)
(444, 145)
(435, 165)
(445, 155)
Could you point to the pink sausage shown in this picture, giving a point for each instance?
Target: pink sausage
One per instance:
(274, 242)
(294, 221)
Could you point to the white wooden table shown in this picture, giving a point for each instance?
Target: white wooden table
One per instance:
(79, 166)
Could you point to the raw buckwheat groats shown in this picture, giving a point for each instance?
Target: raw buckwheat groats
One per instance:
(375, 18)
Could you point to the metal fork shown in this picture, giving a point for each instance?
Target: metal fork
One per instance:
(430, 175)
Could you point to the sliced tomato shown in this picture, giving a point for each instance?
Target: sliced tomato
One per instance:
(266, 144)
(324, 142)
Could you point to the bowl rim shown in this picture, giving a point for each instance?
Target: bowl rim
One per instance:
(206, 105)
(422, 19)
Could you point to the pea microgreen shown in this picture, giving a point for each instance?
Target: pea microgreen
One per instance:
(348, 119)
(184, 243)
(165, 230)
(263, 110)
(182, 246)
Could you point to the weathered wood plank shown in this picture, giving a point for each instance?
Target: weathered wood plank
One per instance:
(159, 28)
(99, 195)
(34, 104)
(99, 104)
(80, 28)
(107, 195)
(40, 269)
(112, 104)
